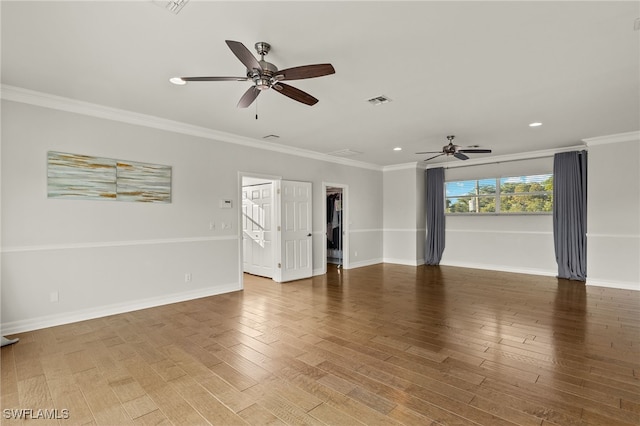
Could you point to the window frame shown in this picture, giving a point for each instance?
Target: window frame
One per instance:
(497, 196)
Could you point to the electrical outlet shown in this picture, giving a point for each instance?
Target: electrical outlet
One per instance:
(212, 226)
(355, 253)
(187, 277)
(54, 297)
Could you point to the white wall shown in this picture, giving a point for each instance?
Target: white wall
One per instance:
(399, 215)
(613, 206)
(404, 214)
(104, 257)
(524, 243)
(518, 243)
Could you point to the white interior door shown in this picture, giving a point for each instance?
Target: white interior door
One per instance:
(295, 260)
(257, 230)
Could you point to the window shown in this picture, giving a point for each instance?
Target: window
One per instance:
(515, 194)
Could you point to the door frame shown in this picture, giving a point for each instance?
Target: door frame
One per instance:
(241, 175)
(345, 224)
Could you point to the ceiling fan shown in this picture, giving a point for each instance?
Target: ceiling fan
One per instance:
(455, 150)
(265, 75)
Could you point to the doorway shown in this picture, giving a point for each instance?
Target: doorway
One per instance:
(258, 224)
(336, 226)
(275, 228)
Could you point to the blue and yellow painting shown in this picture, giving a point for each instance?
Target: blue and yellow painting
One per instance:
(75, 176)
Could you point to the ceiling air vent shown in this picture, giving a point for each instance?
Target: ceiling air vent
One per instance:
(173, 6)
(379, 100)
(344, 153)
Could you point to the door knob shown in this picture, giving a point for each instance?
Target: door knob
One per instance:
(309, 234)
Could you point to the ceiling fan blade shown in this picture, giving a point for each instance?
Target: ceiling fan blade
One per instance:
(306, 71)
(429, 152)
(476, 151)
(435, 156)
(245, 56)
(214, 78)
(249, 96)
(460, 156)
(295, 94)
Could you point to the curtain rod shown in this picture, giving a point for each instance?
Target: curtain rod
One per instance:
(511, 157)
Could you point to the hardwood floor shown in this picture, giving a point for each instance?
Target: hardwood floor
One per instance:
(380, 345)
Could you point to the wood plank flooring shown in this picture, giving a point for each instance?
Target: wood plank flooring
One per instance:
(380, 345)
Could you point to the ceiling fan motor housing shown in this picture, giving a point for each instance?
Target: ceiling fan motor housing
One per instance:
(265, 79)
(450, 149)
(262, 47)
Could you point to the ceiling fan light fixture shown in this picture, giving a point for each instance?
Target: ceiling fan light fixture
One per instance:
(262, 83)
(177, 81)
(535, 124)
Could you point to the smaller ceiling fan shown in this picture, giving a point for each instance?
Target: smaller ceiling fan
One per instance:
(455, 150)
(265, 75)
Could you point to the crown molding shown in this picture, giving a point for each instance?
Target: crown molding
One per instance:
(609, 139)
(403, 166)
(508, 157)
(46, 100)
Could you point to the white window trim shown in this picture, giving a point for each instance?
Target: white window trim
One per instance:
(497, 196)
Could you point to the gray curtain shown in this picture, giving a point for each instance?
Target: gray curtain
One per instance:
(570, 214)
(434, 245)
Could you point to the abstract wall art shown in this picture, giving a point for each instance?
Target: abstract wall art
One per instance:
(74, 176)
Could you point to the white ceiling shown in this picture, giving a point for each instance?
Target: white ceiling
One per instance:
(480, 70)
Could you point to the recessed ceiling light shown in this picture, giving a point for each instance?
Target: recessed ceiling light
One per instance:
(535, 124)
(178, 81)
(397, 148)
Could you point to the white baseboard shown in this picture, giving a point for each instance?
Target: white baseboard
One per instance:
(362, 263)
(31, 324)
(502, 268)
(408, 262)
(596, 282)
(319, 271)
(624, 285)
